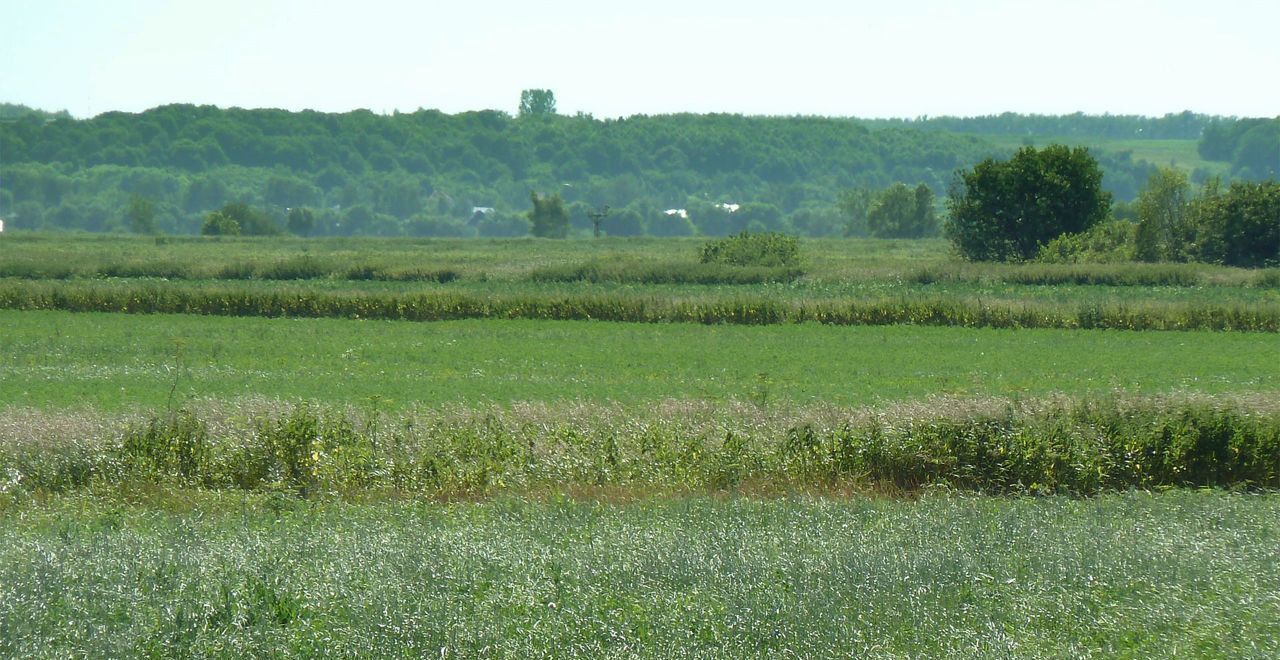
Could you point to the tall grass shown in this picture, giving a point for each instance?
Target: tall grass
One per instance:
(938, 310)
(640, 272)
(1078, 446)
(227, 575)
(1125, 274)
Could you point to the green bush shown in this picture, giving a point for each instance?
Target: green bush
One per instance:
(1109, 242)
(175, 445)
(768, 249)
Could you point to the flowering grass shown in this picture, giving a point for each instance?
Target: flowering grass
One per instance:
(1082, 446)
(1186, 573)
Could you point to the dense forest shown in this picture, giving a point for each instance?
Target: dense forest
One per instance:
(430, 173)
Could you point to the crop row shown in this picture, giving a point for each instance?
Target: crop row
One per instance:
(293, 268)
(1054, 445)
(741, 309)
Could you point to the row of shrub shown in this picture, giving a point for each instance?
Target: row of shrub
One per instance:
(293, 268)
(1093, 274)
(1082, 446)
(941, 310)
(639, 272)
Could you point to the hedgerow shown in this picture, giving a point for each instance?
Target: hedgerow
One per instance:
(1080, 446)
(940, 310)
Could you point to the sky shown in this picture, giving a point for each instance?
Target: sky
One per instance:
(906, 58)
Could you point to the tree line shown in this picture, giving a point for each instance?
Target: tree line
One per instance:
(1049, 205)
(429, 173)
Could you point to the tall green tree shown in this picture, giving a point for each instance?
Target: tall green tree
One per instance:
(217, 224)
(140, 215)
(892, 213)
(900, 212)
(302, 221)
(1162, 209)
(537, 102)
(1003, 210)
(1240, 227)
(250, 222)
(854, 204)
(549, 218)
(926, 218)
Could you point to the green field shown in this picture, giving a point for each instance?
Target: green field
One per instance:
(1164, 153)
(890, 453)
(114, 361)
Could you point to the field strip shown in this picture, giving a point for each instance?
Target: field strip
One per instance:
(117, 361)
(735, 309)
(1078, 445)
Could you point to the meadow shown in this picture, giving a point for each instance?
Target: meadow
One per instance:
(119, 361)
(290, 447)
(1185, 573)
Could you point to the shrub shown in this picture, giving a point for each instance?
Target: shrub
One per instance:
(1081, 446)
(770, 249)
(173, 446)
(1109, 242)
(217, 224)
(1240, 227)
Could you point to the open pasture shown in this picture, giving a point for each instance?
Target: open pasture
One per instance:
(259, 482)
(115, 361)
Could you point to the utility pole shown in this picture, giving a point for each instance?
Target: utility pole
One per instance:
(597, 216)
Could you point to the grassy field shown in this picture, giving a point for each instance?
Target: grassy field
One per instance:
(839, 282)
(1164, 153)
(815, 464)
(1184, 573)
(114, 361)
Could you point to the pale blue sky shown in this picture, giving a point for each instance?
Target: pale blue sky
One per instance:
(883, 59)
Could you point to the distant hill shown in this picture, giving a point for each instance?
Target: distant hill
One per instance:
(427, 172)
(11, 111)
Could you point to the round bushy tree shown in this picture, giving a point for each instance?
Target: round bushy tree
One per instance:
(1007, 210)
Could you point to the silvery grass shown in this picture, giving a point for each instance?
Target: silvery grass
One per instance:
(1043, 445)
(1136, 574)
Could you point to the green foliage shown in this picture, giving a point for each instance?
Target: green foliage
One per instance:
(768, 249)
(900, 212)
(190, 160)
(854, 204)
(1240, 227)
(749, 309)
(302, 221)
(548, 219)
(140, 215)
(537, 103)
(640, 272)
(1008, 210)
(1081, 446)
(168, 446)
(1107, 242)
(1252, 146)
(237, 218)
(1163, 223)
(217, 224)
